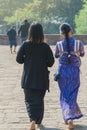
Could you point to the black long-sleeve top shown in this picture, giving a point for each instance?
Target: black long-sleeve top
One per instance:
(36, 58)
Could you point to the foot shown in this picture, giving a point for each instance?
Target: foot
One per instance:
(32, 127)
(14, 51)
(66, 122)
(71, 126)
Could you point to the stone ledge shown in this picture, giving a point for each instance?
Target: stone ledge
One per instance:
(50, 38)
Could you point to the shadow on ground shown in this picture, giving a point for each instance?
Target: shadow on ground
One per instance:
(80, 127)
(46, 128)
(51, 128)
(77, 127)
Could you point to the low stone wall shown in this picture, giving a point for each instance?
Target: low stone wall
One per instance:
(50, 39)
(4, 40)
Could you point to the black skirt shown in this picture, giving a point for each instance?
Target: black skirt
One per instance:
(34, 100)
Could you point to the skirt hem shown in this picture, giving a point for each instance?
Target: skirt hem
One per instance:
(74, 118)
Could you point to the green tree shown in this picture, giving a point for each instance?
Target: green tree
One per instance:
(8, 7)
(81, 20)
(50, 13)
(68, 9)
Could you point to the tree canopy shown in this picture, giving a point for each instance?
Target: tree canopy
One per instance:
(81, 20)
(50, 13)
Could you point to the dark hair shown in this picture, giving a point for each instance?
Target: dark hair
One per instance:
(65, 29)
(36, 34)
(13, 27)
(25, 21)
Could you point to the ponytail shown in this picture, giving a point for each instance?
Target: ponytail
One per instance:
(68, 48)
(65, 29)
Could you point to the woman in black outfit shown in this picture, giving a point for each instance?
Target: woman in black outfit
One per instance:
(37, 56)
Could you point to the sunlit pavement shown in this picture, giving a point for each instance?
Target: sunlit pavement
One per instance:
(13, 115)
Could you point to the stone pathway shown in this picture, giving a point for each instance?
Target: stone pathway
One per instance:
(13, 115)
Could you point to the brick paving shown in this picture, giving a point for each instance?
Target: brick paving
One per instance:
(13, 115)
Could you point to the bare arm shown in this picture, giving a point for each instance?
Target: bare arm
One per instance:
(81, 49)
(56, 51)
